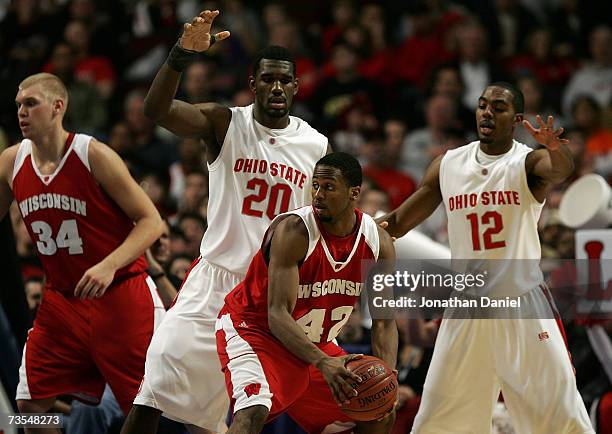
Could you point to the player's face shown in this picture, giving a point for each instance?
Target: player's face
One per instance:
(35, 111)
(332, 197)
(275, 86)
(495, 116)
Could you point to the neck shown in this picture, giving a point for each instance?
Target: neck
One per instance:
(268, 121)
(342, 226)
(496, 148)
(50, 147)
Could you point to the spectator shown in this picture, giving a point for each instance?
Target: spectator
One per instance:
(595, 78)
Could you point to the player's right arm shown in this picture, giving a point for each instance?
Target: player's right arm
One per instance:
(7, 161)
(209, 121)
(420, 205)
(288, 249)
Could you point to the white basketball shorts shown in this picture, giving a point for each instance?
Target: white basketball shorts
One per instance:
(183, 375)
(527, 359)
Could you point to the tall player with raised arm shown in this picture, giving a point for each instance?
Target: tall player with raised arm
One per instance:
(260, 159)
(493, 190)
(90, 223)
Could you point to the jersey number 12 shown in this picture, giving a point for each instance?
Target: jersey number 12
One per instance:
(495, 224)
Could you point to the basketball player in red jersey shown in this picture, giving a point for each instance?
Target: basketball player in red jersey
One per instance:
(493, 190)
(260, 159)
(90, 223)
(276, 331)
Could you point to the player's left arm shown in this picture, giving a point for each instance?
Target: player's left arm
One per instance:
(384, 338)
(550, 166)
(112, 174)
(384, 331)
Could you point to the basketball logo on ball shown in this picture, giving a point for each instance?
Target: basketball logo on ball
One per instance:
(377, 391)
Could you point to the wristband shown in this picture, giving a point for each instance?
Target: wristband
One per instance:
(179, 58)
(157, 276)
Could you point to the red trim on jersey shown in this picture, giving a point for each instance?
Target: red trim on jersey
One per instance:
(195, 262)
(548, 296)
(69, 140)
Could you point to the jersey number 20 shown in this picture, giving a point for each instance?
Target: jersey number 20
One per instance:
(67, 237)
(278, 202)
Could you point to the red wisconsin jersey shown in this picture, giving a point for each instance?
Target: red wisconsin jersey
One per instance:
(73, 223)
(331, 277)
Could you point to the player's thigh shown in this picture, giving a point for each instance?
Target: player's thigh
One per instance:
(461, 387)
(258, 369)
(57, 355)
(123, 323)
(315, 410)
(533, 362)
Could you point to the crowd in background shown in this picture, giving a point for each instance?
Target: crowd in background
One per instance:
(394, 83)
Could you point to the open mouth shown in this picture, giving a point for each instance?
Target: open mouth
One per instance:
(486, 129)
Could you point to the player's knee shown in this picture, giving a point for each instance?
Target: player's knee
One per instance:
(34, 405)
(249, 420)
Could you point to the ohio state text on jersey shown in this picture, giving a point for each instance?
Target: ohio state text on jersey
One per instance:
(260, 172)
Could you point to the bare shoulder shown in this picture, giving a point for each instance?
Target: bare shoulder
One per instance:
(217, 113)
(292, 226)
(533, 157)
(7, 162)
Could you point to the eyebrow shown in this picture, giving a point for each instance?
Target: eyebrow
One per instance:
(495, 101)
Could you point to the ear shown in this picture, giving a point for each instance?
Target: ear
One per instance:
(296, 86)
(518, 118)
(252, 83)
(58, 107)
(355, 191)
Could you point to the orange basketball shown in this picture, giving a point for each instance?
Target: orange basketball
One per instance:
(377, 391)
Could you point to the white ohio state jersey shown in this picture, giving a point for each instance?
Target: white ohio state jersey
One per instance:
(493, 215)
(259, 173)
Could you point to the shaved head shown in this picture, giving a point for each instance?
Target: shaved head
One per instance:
(51, 86)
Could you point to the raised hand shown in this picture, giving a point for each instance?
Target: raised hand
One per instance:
(196, 35)
(545, 134)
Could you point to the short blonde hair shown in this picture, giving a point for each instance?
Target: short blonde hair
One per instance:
(51, 85)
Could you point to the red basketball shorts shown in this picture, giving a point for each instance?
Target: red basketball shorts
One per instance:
(260, 370)
(76, 346)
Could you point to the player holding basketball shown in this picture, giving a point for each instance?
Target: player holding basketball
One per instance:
(493, 190)
(275, 334)
(260, 160)
(91, 223)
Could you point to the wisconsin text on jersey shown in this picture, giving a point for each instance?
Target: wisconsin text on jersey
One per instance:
(330, 287)
(52, 200)
(494, 197)
(288, 173)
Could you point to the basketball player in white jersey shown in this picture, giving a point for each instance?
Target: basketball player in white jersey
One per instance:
(493, 190)
(259, 160)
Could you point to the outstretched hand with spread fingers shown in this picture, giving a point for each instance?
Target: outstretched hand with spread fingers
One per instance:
(196, 35)
(545, 134)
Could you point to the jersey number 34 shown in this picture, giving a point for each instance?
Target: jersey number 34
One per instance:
(67, 237)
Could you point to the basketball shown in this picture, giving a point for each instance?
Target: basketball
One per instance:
(377, 392)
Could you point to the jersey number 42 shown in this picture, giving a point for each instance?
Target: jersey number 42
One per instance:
(313, 323)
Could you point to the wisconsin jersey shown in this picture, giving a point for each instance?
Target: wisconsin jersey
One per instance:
(73, 223)
(259, 173)
(492, 215)
(330, 278)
